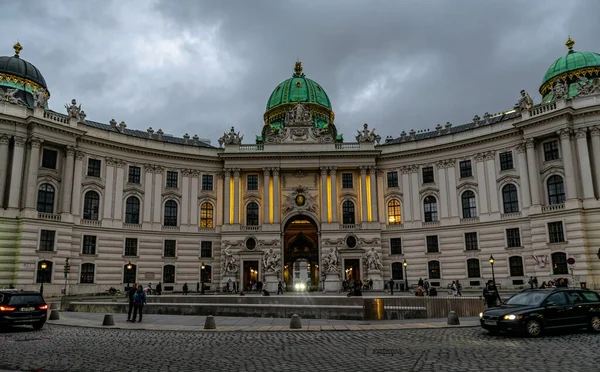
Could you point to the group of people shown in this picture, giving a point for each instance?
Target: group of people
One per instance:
(365, 284)
(558, 283)
(137, 300)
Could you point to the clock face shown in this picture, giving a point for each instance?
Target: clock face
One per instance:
(300, 200)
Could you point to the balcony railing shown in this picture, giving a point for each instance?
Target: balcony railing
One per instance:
(468, 221)
(511, 216)
(49, 216)
(251, 228)
(431, 224)
(347, 146)
(132, 226)
(252, 147)
(56, 117)
(542, 109)
(553, 208)
(91, 222)
(397, 226)
(170, 228)
(350, 226)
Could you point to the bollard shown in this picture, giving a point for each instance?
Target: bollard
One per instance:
(54, 315)
(453, 318)
(209, 323)
(108, 320)
(54, 306)
(295, 322)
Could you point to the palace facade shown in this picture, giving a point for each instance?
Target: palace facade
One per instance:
(300, 201)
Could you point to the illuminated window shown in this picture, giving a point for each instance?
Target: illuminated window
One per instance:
(206, 216)
(394, 213)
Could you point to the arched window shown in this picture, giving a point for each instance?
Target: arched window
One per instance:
(473, 268)
(87, 273)
(556, 190)
(206, 274)
(206, 216)
(510, 198)
(91, 206)
(515, 264)
(433, 268)
(132, 210)
(559, 264)
(171, 213)
(129, 273)
(468, 204)
(44, 272)
(397, 271)
(348, 217)
(430, 208)
(394, 213)
(169, 274)
(45, 200)
(252, 214)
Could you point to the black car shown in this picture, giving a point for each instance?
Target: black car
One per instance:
(534, 310)
(22, 308)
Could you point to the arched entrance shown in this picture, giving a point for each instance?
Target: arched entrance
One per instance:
(301, 253)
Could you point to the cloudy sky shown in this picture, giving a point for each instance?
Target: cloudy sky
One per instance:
(202, 66)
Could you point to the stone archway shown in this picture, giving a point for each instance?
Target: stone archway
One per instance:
(301, 253)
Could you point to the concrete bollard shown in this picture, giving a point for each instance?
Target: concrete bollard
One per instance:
(453, 318)
(295, 322)
(54, 315)
(209, 323)
(108, 320)
(54, 306)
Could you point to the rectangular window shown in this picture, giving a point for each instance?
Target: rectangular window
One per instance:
(87, 273)
(465, 169)
(94, 166)
(432, 244)
(473, 268)
(392, 179)
(551, 151)
(397, 271)
(47, 238)
(506, 160)
(172, 178)
(89, 244)
(513, 238)
(206, 249)
(471, 241)
(49, 159)
(134, 174)
(169, 274)
(555, 232)
(516, 266)
(169, 249)
(395, 246)
(131, 246)
(207, 182)
(434, 270)
(253, 182)
(347, 181)
(428, 175)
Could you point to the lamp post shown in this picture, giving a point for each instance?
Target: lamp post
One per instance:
(492, 263)
(405, 264)
(202, 278)
(43, 267)
(129, 267)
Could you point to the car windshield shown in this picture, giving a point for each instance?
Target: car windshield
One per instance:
(35, 299)
(526, 299)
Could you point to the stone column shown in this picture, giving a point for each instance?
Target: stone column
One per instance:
(14, 195)
(483, 198)
(595, 134)
(220, 205)
(276, 207)
(524, 176)
(452, 191)
(568, 164)
(324, 195)
(584, 164)
(185, 197)
(32, 173)
(109, 189)
(4, 141)
(334, 198)
(441, 168)
(373, 196)
(534, 174)
(266, 196)
(67, 183)
(236, 196)
(194, 198)
(381, 207)
(490, 165)
(226, 198)
(363, 194)
(147, 207)
(77, 177)
(119, 185)
(407, 200)
(414, 192)
(157, 207)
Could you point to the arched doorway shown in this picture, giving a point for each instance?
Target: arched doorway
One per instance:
(301, 254)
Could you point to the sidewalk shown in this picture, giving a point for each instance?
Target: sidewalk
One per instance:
(191, 323)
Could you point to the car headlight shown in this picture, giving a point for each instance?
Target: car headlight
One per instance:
(480, 315)
(302, 286)
(512, 317)
(297, 286)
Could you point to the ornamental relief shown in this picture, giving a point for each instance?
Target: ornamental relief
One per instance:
(553, 169)
(300, 200)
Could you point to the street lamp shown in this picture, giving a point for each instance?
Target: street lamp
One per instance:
(405, 264)
(492, 263)
(129, 267)
(43, 267)
(202, 278)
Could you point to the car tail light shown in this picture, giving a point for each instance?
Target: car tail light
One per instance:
(7, 308)
(43, 307)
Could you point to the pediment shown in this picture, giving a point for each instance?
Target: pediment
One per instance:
(467, 184)
(48, 176)
(134, 189)
(507, 178)
(92, 182)
(429, 190)
(551, 169)
(171, 194)
(347, 194)
(393, 194)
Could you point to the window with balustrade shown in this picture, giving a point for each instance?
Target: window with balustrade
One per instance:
(206, 216)
(252, 214)
(556, 190)
(170, 213)
(510, 198)
(394, 212)
(430, 209)
(348, 213)
(132, 210)
(45, 198)
(469, 204)
(91, 206)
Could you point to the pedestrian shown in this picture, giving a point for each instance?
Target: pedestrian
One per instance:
(419, 292)
(491, 295)
(371, 284)
(198, 287)
(158, 289)
(458, 288)
(280, 287)
(130, 294)
(391, 284)
(139, 299)
(185, 289)
(149, 288)
(11, 287)
(420, 282)
(229, 283)
(530, 282)
(234, 288)
(426, 286)
(453, 288)
(535, 281)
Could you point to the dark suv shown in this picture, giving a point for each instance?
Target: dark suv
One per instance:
(534, 310)
(19, 308)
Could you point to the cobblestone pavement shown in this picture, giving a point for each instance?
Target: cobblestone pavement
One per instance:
(60, 348)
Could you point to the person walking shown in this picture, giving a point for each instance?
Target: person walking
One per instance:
(130, 295)
(491, 295)
(158, 289)
(391, 284)
(280, 287)
(198, 287)
(139, 299)
(426, 286)
(185, 289)
(531, 282)
(458, 288)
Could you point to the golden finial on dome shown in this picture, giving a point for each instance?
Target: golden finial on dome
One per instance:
(570, 43)
(18, 48)
(298, 68)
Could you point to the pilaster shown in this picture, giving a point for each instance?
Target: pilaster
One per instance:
(363, 194)
(585, 167)
(119, 185)
(14, 195)
(407, 198)
(32, 173)
(568, 164)
(185, 197)
(483, 191)
(452, 191)
(441, 170)
(490, 166)
(236, 196)
(524, 176)
(157, 200)
(595, 134)
(148, 181)
(194, 213)
(276, 191)
(227, 198)
(4, 141)
(374, 194)
(324, 216)
(77, 177)
(334, 197)
(534, 173)
(266, 198)
(415, 194)
(109, 190)
(67, 183)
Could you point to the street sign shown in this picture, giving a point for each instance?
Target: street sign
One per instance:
(571, 261)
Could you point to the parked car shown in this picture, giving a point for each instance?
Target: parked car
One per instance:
(534, 310)
(19, 308)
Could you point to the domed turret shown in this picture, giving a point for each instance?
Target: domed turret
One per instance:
(17, 73)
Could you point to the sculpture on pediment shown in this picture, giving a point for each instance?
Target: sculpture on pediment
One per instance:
(272, 262)
(10, 95)
(230, 265)
(560, 89)
(525, 102)
(588, 87)
(373, 260)
(300, 200)
(231, 138)
(298, 116)
(39, 99)
(366, 136)
(75, 111)
(330, 262)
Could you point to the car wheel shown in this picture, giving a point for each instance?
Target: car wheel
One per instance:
(38, 325)
(595, 323)
(534, 328)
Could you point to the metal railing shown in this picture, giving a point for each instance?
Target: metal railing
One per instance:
(437, 307)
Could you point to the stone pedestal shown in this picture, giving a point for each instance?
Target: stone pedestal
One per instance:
(332, 282)
(375, 276)
(271, 280)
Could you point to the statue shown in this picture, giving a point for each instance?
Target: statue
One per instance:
(330, 262)
(560, 90)
(231, 138)
(366, 136)
(230, 265)
(272, 262)
(373, 260)
(588, 87)
(525, 102)
(74, 111)
(298, 116)
(39, 99)
(10, 95)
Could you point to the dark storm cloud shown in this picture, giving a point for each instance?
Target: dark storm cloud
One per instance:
(202, 66)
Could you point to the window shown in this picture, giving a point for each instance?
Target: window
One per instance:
(469, 205)
(433, 267)
(94, 166)
(47, 238)
(45, 200)
(347, 180)
(558, 298)
(44, 275)
(473, 268)
(169, 274)
(135, 174)
(397, 271)
(506, 160)
(206, 216)
(207, 182)
(428, 175)
(394, 213)
(91, 205)
(129, 273)
(206, 274)
(131, 246)
(49, 159)
(513, 238)
(471, 241)
(515, 264)
(172, 178)
(556, 190)
(555, 232)
(559, 264)
(551, 151)
(253, 182)
(432, 244)
(348, 213)
(510, 198)
(87, 273)
(395, 245)
(430, 208)
(206, 249)
(392, 179)
(465, 169)
(252, 214)
(170, 213)
(132, 210)
(89, 244)
(169, 248)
